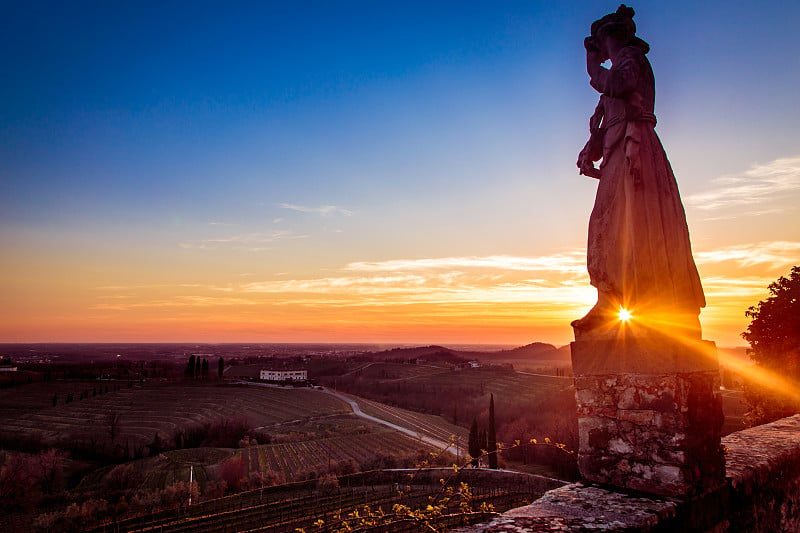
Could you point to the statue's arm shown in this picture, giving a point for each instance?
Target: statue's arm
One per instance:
(593, 150)
(622, 78)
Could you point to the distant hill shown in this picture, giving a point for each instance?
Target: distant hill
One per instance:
(431, 353)
(535, 351)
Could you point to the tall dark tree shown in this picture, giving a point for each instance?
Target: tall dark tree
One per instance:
(220, 367)
(204, 368)
(113, 420)
(197, 367)
(190, 367)
(157, 446)
(774, 337)
(474, 446)
(491, 437)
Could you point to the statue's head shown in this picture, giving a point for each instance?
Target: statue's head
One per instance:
(620, 27)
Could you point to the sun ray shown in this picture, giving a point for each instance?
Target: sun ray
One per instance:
(677, 327)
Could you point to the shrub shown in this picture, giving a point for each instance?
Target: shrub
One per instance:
(232, 473)
(122, 478)
(328, 483)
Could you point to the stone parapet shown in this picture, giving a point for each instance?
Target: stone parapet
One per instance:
(761, 494)
(649, 414)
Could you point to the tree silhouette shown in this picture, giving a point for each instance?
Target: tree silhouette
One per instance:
(220, 367)
(491, 437)
(157, 446)
(190, 367)
(474, 444)
(774, 337)
(112, 421)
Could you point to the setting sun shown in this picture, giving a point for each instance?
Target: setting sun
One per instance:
(624, 314)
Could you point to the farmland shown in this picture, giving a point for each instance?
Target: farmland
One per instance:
(309, 433)
(168, 430)
(302, 459)
(430, 425)
(297, 460)
(499, 381)
(298, 505)
(528, 405)
(389, 380)
(309, 430)
(146, 410)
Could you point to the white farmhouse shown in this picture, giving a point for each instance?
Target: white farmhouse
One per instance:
(283, 375)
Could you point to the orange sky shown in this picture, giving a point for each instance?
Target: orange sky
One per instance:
(394, 174)
(479, 299)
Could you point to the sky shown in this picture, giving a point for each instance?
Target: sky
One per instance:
(392, 172)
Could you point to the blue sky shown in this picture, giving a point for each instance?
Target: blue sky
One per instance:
(292, 139)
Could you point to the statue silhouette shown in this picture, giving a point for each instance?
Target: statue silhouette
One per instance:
(639, 256)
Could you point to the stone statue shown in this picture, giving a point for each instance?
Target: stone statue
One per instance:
(639, 255)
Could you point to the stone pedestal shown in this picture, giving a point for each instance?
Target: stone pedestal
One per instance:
(649, 413)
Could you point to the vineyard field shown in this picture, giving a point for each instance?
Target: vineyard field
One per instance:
(295, 461)
(288, 507)
(501, 382)
(429, 425)
(144, 410)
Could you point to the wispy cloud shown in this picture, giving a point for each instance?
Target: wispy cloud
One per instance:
(252, 241)
(552, 288)
(324, 210)
(178, 301)
(775, 254)
(452, 280)
(568, 262)
(759, 185)
(410, 290)
(751, 288)
(360, 285)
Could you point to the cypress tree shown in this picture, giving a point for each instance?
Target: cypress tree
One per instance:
(491, 445)
(220, 367)
(474, 443)
(190, 367)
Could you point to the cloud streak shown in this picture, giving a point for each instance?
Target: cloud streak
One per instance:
(775, 254)
(252, 241)
(439, 281)
(568, 262)
(324, 210)
(462, 291)
(754, 187)
(178, 301)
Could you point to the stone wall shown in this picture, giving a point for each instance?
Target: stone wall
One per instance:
(649, 413)
(761, 494)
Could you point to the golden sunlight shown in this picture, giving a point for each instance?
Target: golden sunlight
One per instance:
(624, 314)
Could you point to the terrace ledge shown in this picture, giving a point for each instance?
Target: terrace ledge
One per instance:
(761, 493)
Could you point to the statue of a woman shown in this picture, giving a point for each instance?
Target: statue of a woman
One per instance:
(639, 255)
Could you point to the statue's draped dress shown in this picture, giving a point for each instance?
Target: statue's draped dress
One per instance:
(638, 247)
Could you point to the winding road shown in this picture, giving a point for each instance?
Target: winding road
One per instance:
(438, 443)
(358, 412)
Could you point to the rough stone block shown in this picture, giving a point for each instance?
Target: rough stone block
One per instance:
(620, 446)
(654, 429)
(642, 417)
